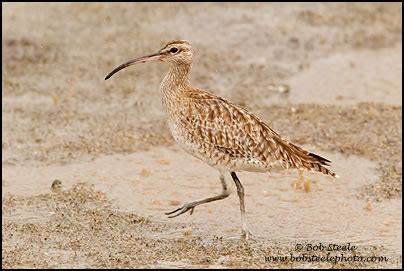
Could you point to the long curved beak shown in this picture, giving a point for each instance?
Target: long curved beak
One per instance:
(142, 59)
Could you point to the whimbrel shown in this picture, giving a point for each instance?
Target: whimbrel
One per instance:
(221, 133)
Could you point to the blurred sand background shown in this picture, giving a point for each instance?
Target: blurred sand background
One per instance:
(109, 145)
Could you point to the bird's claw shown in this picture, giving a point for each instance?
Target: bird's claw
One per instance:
(181, 210)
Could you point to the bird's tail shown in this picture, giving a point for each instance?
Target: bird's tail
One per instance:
(318, 163)
(310, 161)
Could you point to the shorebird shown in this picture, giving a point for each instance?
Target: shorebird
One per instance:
(222, 134)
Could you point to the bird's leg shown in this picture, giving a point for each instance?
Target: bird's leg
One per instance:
(191, 205)
(240, 191)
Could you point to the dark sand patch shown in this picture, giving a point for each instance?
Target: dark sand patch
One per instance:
(82, 230)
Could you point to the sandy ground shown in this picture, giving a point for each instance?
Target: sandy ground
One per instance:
(108, 144)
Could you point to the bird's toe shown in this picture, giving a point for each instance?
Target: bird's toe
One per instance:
(179, 211)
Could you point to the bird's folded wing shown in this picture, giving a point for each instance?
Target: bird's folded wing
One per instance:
(232, 129)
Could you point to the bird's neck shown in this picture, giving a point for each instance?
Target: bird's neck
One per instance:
(174, 84)
(177, 76)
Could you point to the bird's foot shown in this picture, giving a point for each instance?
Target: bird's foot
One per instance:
(246, 234)
(185, 208)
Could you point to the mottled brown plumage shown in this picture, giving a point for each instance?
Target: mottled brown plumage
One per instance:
(220, 133)
(228, 136)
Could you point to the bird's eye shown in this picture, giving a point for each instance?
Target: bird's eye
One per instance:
(173, 50)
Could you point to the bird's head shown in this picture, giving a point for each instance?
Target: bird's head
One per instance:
(176, 52)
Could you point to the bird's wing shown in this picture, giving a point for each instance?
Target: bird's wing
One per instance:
(241, 134)
(231, 128)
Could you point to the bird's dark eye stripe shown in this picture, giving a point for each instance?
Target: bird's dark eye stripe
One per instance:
(173, 50)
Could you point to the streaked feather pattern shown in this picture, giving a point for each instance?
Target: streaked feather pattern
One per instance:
(227, 136)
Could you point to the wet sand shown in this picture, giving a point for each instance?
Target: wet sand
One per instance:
(110, 147)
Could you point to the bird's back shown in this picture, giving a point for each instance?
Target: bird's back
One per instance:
(228, 137)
